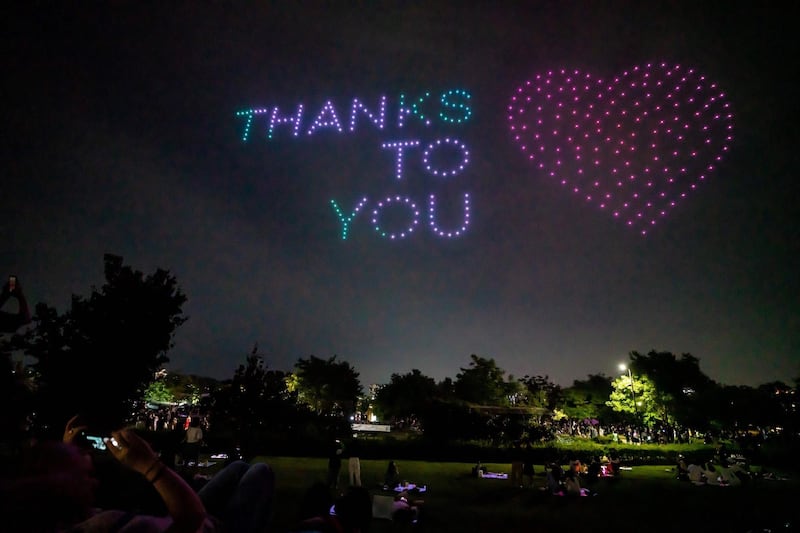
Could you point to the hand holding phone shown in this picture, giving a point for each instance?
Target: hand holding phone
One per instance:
(98, 443)
(12, 283)
(74, 429)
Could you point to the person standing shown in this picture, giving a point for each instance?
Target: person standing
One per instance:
(354, 464)
(192, 441)
(334, 464)
(527, 466)
(516, 467)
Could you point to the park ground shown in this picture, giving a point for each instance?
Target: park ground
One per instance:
(645, 498)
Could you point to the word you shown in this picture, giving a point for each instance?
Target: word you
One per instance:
(452, 108)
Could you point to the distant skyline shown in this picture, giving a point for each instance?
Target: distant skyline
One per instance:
(381, 183)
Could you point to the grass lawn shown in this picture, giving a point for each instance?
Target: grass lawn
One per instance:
(644, 499)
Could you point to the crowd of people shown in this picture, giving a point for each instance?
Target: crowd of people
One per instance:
(55, 487)
(721, 470)
(622, 433)
(334, 507)
(580, 479)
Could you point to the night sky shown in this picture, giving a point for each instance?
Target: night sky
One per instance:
(121, 135)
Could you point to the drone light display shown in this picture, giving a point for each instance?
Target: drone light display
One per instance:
(633, 146)
(454, 109)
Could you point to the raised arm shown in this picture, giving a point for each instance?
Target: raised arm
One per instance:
(182, 502)
(9, 322)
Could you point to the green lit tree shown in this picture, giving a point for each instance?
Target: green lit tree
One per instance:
(587, 398)
(190, 388)
(683, 391)
(637, 398)
(159, 393)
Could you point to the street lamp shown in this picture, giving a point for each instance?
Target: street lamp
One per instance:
(624, 367)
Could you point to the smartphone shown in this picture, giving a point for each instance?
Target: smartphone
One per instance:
(98, 443)
(12, 282)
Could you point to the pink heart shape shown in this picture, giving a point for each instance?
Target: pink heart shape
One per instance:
(633, 146)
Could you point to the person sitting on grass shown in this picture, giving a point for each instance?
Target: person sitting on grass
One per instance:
(317, 501)
(742, 472)
(710, 473)
(351, 513)
(593, 470)
(682, 468)
(315, 510)
(576, 467)
(696, 475)
(728, 477)
(614, 462)
(572, 485)
(404, 510)
(479, 470)
(392, 476)
(555, 479)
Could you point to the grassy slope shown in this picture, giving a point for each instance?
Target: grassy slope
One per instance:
(646, 498)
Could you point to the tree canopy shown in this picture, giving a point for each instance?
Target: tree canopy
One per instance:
(406, 396)
(98, 357)
(587, 398)
(326, 385)
(484, 383)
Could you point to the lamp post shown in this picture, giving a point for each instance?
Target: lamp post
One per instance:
(624, 367)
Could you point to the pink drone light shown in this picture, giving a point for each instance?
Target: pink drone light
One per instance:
(633, 146)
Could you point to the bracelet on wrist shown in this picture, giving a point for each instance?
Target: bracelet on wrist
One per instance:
(158, 474)
(153, 465)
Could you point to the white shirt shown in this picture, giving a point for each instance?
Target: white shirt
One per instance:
(194, 434)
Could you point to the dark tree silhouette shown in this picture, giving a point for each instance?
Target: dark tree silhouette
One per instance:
(484, 383)
(328, 386)
(406, 397)
(256, 407)
(682, 389)
(97, 358)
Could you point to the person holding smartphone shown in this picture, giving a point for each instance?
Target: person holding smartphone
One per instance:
(11, 322)
(56, 487)
(54, 490)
